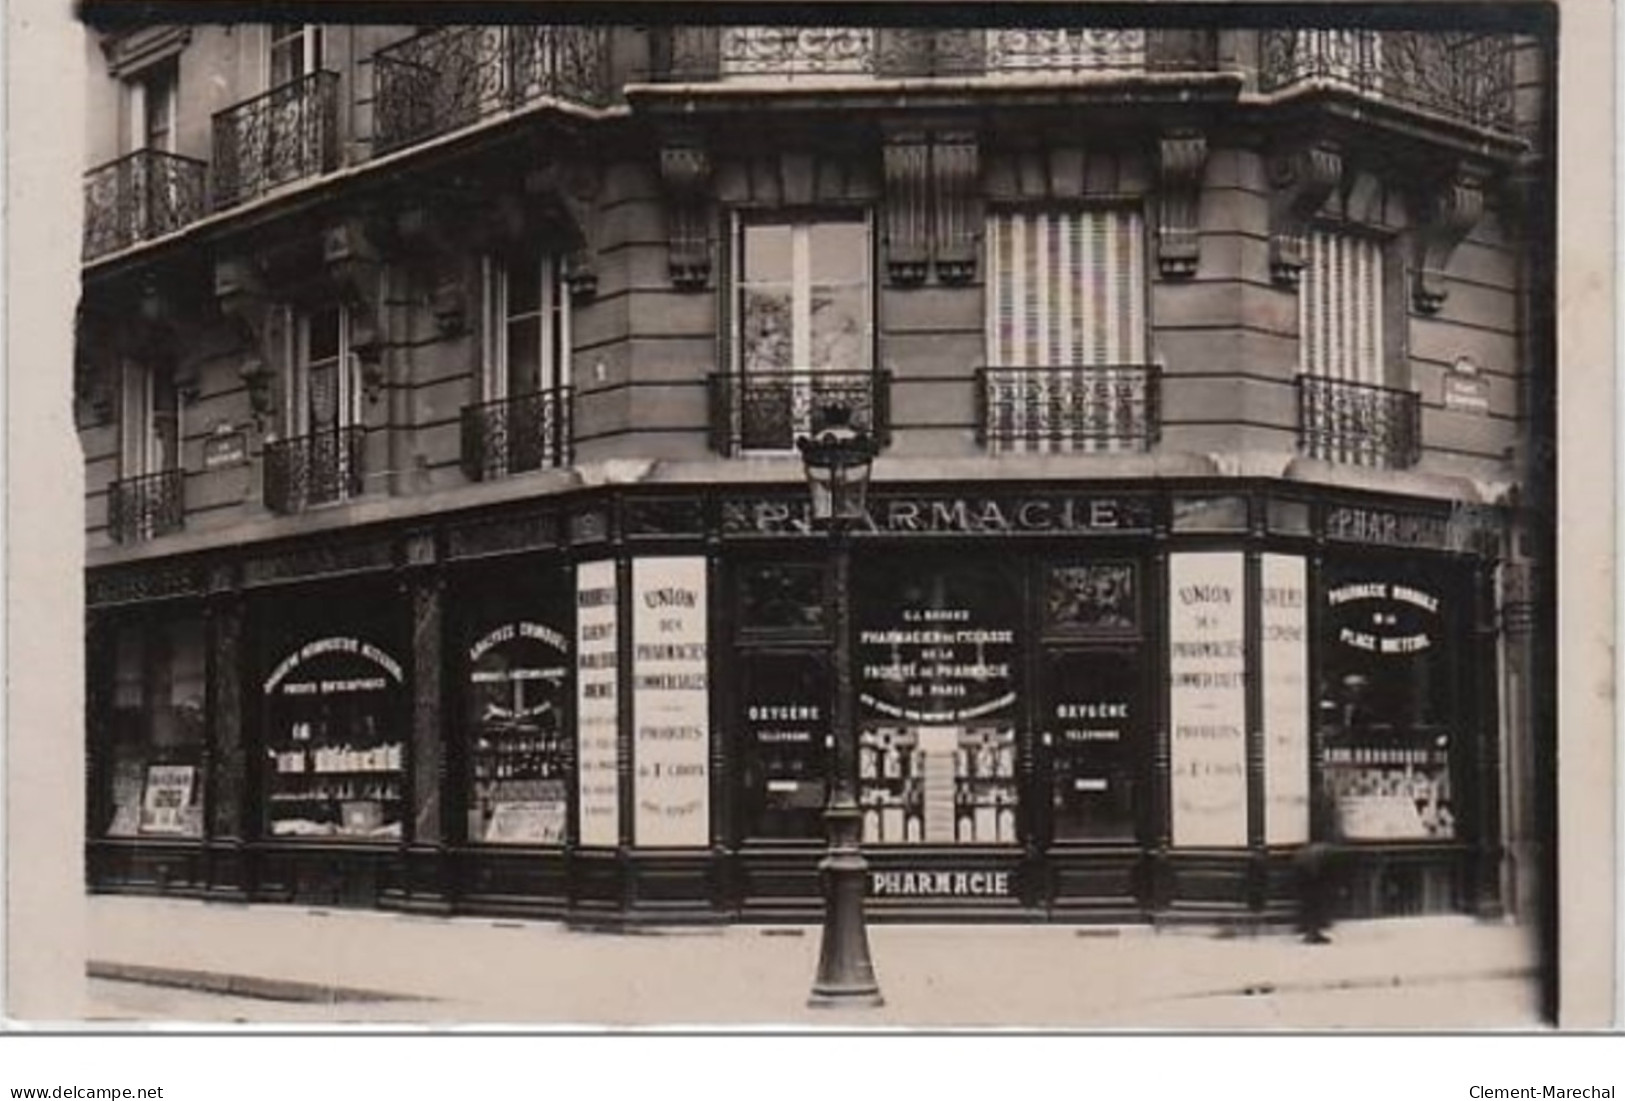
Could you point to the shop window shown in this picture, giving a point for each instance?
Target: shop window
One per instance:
(784, 715)
(335, 744)
(157, 730)
(803, 327)
(1392, 716)
(1066, 331)
(939, 693)
(518, 730)
(1340, 309)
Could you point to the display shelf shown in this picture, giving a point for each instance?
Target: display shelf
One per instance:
(924, 785)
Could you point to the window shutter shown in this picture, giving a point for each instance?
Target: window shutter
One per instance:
(1340, 314)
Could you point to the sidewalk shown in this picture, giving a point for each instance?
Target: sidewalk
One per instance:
(356, 966)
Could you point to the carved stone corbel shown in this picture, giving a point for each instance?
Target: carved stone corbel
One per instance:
(685, 169)
(571, 188)
(957, 205)
(93, 369)
(1447, 210)
(351, 260)
(906, 161)
(241, 295)
(1300, 181)
(1182, 158)
(425, 236)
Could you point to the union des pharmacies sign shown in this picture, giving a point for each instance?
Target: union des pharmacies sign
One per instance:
(949, 514)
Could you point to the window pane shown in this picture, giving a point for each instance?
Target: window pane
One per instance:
(765, 334)
(1093, 714)
(324, 335)
(839, 252)
(524, 287)
(524, 355)
(838, 342)
(767, 253)
(785, 765)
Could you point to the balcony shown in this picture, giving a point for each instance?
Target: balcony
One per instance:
(823, 55)
(446, 79)
(1462, 76)
(316, 469)
(147, 506)
(1352, 422)
(289, 133)
(1068, 410)
(767, 411)
(513, 435)
(139, 197)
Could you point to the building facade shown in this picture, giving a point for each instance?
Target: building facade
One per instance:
(447, 547)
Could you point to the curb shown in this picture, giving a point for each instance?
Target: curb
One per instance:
(1268, 988)
(241, 986)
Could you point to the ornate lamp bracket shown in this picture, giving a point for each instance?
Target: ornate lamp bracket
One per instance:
(1448, 208)
(685, 169)
(1183, 156)
(1300, 180)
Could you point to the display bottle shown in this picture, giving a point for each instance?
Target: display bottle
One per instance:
(912, 828)
(893, 761)
(1006, 825)
(871, 825)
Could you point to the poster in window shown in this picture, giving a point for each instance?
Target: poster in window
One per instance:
(670, 703)
(1207, 670)
(1284, 667)
(166, 799)
(597, 705)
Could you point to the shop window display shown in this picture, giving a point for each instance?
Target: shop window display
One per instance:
(156, 782)
(335, 746)
(518, 731)
(1388, 706)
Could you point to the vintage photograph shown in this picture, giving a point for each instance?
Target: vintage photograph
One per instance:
(1038, 515)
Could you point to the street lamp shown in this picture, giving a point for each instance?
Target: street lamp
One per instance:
(838, 459)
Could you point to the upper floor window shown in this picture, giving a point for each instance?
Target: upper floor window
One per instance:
(324, 384)
(1340, 308)
(1066, 332)
(803, 295)
(527, 327)
(151, 96)
(295, 51)
(149, 427)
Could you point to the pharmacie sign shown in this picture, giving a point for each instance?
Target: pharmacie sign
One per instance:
(941, 514)
(1383, 617)
(980, 883)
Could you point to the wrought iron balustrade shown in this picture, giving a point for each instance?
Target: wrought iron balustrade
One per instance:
(512, 435)
(797, 52)
(1462, 75)
(287, 134)
(139, 197)
(1084, 408)
(1065, 50)
(1353, 422)
(316, 469)
(146, 506)
(768, 410)
(446, 79)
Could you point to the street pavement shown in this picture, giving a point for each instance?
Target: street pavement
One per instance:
(213, 963)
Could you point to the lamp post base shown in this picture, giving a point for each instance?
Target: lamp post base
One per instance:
(846, 976)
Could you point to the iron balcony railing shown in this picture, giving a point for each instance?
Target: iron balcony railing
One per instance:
(1064, 410)
(289, 133)
(831, 53)
(513, 435)
(1354, 422)
(146, 506)
(446, 79)
(767, 411)
(316, 469)
(139, 197)
(1461, 75)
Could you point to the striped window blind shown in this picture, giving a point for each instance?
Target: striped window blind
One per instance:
(1340, 309)
(1065, 317)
